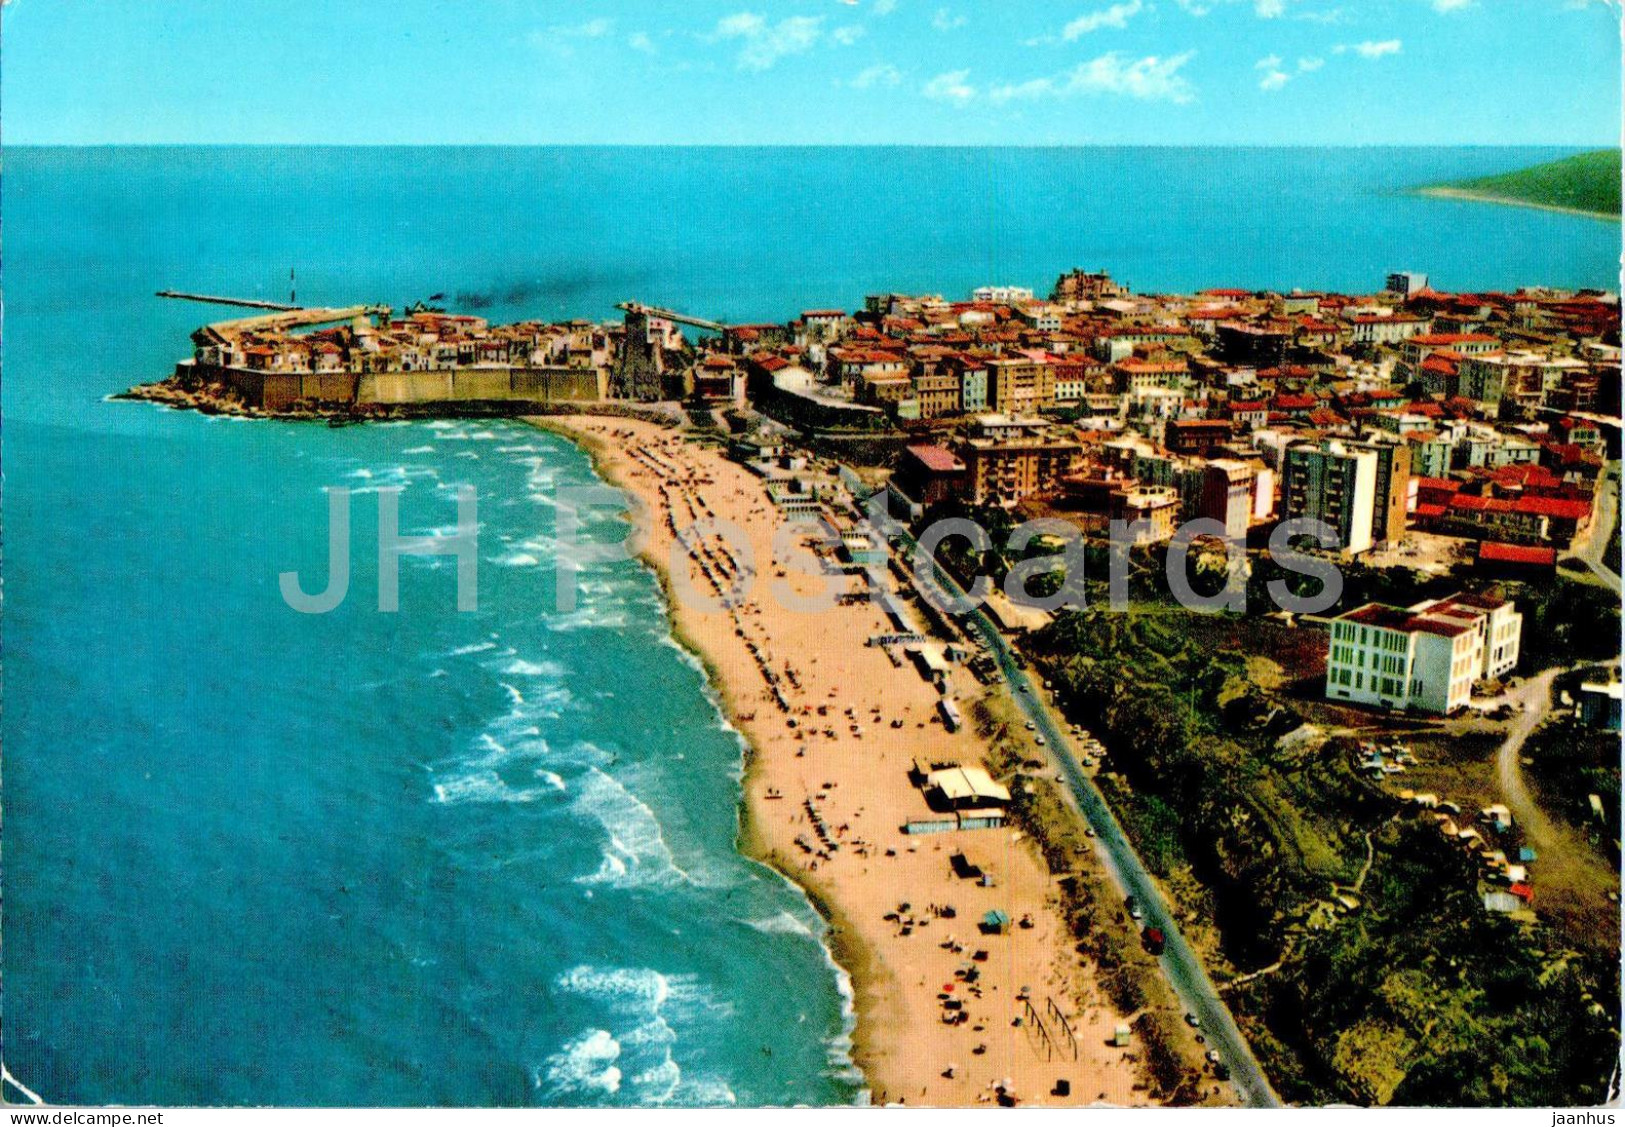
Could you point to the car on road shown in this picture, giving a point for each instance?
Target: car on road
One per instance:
(1039, 740)
(1031, 725)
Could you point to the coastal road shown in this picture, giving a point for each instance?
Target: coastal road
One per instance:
(1601, 531)
(1180, 963)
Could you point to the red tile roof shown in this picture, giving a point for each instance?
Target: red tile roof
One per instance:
(1404, 621)
(1556, 507)
(1494, 551)
(937, 459)
(1295, 402)
(1453, 338)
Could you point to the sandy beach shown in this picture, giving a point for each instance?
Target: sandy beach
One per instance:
(1488, 197)
(834, 726)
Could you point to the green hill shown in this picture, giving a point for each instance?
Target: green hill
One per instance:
(1586, 182)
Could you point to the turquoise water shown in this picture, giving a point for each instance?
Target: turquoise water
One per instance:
(253, 856)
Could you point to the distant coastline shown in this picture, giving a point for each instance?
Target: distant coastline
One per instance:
(1470, 196)
(1583, 184)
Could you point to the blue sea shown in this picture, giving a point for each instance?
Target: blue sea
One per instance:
(254, 856)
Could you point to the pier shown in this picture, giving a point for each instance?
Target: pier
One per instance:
(243, 302)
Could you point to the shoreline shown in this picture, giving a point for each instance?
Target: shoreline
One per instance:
(900, 1041)
(1470, 196)
(849, 958)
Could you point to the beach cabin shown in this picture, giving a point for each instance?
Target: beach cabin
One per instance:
(1120, 1036)
(861, 549)
(793, 503)
(995, 922)
(933, 665)
(962, 788)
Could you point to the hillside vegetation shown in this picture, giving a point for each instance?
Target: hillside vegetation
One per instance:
(1585, 182)
(1418, 997)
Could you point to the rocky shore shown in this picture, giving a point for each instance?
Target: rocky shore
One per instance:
(209, 398)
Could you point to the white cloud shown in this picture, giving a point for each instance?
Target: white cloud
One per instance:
(1268, 10)
(881, 74)
(952, 86)
(560, 38)
(764, 44)
(1451, 5)
(884, 7)
(1371, 48)
(848, 35)
(640, 41)
(741, 23)
(592, 29)
(1273, 77)
(1116, 16)
(1151, 79)
(1276, 73)
(944, 20)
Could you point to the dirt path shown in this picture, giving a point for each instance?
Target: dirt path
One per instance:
(1572, 882)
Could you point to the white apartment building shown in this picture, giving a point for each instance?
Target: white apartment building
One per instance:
(1426, 657)
(1003, 295)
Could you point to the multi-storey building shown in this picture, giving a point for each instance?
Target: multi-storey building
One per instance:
(1228, 495)
(1336, 483)
(937, 392)
(1009, 459)
(1426, 657)
(1149, 512)
(1002, 295)
(1369, 328)
(1394, 492)
(1016, 384)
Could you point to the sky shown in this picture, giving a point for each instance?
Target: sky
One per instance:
(1185, 72)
